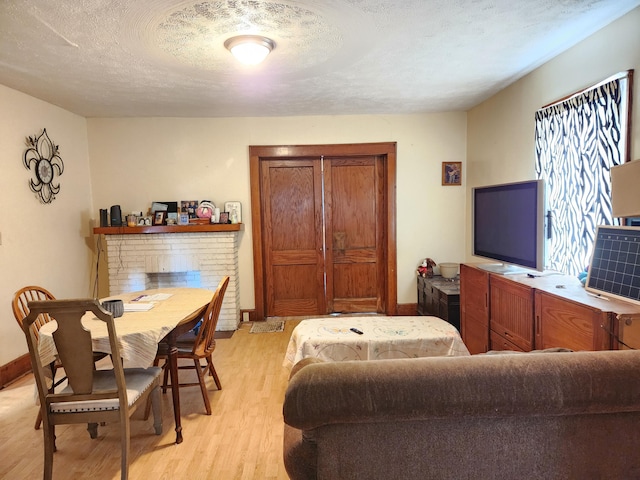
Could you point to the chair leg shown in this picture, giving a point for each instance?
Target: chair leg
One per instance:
(38, 420)
(49, 448)
(92, 428)
(147, 408)
(156, 405)
(53, 368)
(165, 378)
(203, 386)
(125, 441)
(213, 372)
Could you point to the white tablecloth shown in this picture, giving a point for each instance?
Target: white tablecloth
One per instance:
(138, 332)
(383, 337)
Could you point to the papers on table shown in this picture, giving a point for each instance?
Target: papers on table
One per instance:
(144, 303)
(156, 297)
(138, 307)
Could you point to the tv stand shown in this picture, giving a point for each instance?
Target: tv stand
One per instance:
(535, 312)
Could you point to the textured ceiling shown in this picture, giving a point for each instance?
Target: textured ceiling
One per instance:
(115, 58)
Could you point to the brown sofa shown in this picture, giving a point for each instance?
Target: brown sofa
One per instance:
(552, 416)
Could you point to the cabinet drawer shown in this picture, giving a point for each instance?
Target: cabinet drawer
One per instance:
(566, 324)
(512, 311)
(500, 343)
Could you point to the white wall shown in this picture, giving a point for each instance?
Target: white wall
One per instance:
(47, 245)
(500, 141)
(136, 161)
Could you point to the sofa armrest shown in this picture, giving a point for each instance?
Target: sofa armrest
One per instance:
(303, 363)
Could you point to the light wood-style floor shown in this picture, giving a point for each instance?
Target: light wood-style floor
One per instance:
(242, 439)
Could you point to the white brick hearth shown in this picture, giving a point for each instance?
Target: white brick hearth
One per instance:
(192, 259)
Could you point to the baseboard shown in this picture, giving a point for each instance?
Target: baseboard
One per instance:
(14, 370)
(407, 309)
(248, 315)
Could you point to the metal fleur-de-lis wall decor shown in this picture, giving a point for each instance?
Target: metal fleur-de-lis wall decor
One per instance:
(42, 155)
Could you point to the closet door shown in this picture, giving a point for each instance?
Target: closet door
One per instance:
(354, 211)
(292, 237)
(323, 224)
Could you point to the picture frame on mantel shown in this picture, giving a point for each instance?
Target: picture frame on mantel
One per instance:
(189, 206)
(234, 208)
(159, 217)
(183, 218)
(451, 173)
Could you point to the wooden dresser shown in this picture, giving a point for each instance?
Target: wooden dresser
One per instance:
(518, 312)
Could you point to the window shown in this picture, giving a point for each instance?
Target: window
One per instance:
(578, 140)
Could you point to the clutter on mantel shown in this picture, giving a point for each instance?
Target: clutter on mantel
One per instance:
(191, 228)
(173, 214)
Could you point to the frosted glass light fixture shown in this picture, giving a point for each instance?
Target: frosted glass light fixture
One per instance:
(250, 49)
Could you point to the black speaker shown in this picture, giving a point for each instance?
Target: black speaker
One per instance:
(116, 216)
(104, 219)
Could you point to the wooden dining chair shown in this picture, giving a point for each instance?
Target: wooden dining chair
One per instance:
(20, 307)
(201, 349)
(90, 396)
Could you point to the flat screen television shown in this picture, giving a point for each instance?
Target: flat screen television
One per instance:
(509, 226)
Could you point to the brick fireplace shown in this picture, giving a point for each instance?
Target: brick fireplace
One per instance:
(141, 258)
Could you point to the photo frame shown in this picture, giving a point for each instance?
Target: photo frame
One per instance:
(234, 208)
(159, 217)
(189, 206)
(183, 218)
(159, 207)
(451, 173)
(172, 218)
(224, 217)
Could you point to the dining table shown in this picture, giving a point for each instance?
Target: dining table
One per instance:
(150, 317)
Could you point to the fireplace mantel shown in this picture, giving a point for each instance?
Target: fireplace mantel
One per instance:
(198, 228)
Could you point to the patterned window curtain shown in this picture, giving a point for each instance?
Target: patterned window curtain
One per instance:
(577, 142)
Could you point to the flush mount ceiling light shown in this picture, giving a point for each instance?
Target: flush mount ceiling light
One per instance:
(250, 49)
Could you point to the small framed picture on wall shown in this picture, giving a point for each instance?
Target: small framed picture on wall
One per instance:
(451, 173)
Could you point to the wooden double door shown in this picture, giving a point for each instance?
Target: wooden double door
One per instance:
(323, 237)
